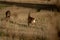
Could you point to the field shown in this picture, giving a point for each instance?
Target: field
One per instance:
(16, 28)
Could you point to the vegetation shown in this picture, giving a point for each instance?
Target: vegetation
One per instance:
(1, 33)
(3, 5)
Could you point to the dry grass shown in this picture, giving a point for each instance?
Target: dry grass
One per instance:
(34, 1)
(16, 27)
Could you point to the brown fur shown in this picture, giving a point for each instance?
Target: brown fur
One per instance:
(8, 14)
(30, 19)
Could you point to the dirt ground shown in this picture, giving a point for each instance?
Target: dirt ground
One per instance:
(16, 28)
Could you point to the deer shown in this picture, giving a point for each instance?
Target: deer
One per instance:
(31, 20)
(8, 14)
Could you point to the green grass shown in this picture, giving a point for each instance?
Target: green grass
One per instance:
(4, 34)
(3, 6)
(1, 33)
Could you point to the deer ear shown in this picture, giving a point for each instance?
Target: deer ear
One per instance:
(58, 33)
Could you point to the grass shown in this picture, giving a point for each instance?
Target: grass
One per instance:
(41, 38)
(1, 33)
(3, 6)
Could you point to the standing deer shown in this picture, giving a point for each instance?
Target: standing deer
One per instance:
(7, 14)
(30, 19)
